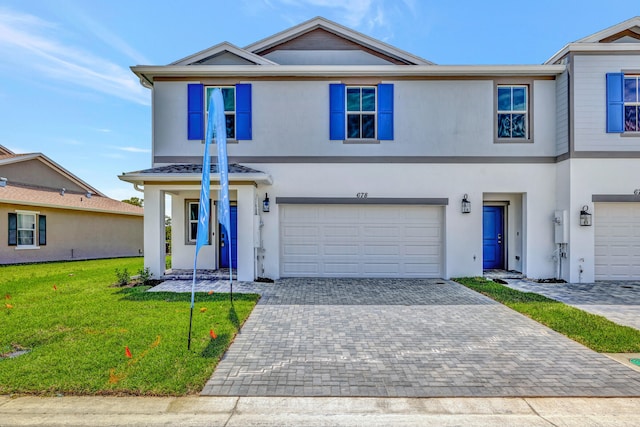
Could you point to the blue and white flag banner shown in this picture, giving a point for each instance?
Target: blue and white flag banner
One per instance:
(224, 216)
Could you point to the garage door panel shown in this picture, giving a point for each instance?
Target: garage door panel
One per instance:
(617, 241)
(301, 249)
(369, 241)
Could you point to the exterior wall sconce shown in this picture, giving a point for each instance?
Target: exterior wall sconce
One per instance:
(466, 204)
(585, 216)
(265, 203)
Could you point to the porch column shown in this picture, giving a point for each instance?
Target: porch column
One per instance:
(154, 233)
(246, 201)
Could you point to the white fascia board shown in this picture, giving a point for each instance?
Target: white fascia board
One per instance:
(605, 48)
(340, 30)
(142, 178)
(615, 29)
(223, 47)
(385, 71)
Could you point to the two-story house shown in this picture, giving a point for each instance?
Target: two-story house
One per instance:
(352, 158)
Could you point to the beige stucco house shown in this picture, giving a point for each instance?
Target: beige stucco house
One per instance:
(48, 214)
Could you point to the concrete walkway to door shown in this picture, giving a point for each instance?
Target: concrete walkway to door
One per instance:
(404, 338)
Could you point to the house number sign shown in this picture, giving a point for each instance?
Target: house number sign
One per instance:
(636, 192)
(362, 195)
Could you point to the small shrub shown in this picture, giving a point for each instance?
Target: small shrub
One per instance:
(123, 277)
(145, 275)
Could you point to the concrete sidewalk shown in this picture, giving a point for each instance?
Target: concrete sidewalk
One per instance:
(305, 411)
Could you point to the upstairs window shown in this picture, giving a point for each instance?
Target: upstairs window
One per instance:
(632, 103)
(513, 112)
(361, 112)
(229, 98)
(237, 106)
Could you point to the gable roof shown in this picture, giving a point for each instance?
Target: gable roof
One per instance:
(364, 41)
(214, 51)
(17, 158)
(29, 195)
(621, 37)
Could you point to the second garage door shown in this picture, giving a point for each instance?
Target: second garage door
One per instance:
(617, 241)
(361, 241)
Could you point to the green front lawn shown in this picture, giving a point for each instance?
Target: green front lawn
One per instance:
(593, 331)
(77, 327)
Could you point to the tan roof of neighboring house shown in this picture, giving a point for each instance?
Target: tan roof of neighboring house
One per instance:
(19, 194)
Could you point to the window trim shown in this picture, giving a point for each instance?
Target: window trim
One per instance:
(205, 110)
(636, 104)
(188, 221)
(360, 113)
(36, 229)
(514, 82)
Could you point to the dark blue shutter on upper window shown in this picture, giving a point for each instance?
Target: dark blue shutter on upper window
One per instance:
(13, 229)
(195, 111)
(615, 102)
(243, 112)
(385, 112)
(42, 230)
(336, 111)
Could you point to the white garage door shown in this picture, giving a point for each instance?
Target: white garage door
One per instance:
(617, 241)
(360, 241)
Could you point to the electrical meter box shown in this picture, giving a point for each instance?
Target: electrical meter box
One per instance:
(561, 229)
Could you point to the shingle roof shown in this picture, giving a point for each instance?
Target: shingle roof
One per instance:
(21, 194)
(195, 169)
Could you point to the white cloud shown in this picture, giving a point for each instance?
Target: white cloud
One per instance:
(133, 149)
(32, 44)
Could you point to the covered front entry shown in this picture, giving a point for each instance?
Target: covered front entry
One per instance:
(617, 241)
(361, 240)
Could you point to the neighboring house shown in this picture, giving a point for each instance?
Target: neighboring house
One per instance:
(48, 214)
(368, 156)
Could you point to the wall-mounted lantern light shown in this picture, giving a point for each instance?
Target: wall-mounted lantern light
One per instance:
(585, 216)
(466, 204)
(265, 203)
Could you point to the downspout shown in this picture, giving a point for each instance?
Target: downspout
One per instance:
(137, 188)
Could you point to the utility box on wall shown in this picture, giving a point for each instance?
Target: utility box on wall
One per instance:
(561, 229)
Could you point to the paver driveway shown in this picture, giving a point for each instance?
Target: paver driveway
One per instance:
(310, 337)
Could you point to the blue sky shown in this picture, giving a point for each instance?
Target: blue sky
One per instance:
(66, 89)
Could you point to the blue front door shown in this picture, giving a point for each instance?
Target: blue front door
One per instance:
(493, 237)
(224, 241)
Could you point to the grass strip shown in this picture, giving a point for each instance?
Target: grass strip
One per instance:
(77, 327)
(593, 331)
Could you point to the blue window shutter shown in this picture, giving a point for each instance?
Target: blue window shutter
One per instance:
(13, 229)
(615, 102)
(42, 230)
(385, 112)
(336, 112)
(243, 111)
(195, 111)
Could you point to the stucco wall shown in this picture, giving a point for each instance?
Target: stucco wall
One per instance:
(533, 203)
(432, 118)
(75, 235)
(589, 92)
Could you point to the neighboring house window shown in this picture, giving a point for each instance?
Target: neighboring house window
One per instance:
(360, 112)
(237, 102)
(27, 229)
(193, 211)
(632, 103)
(229, 98)
(513, 112)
